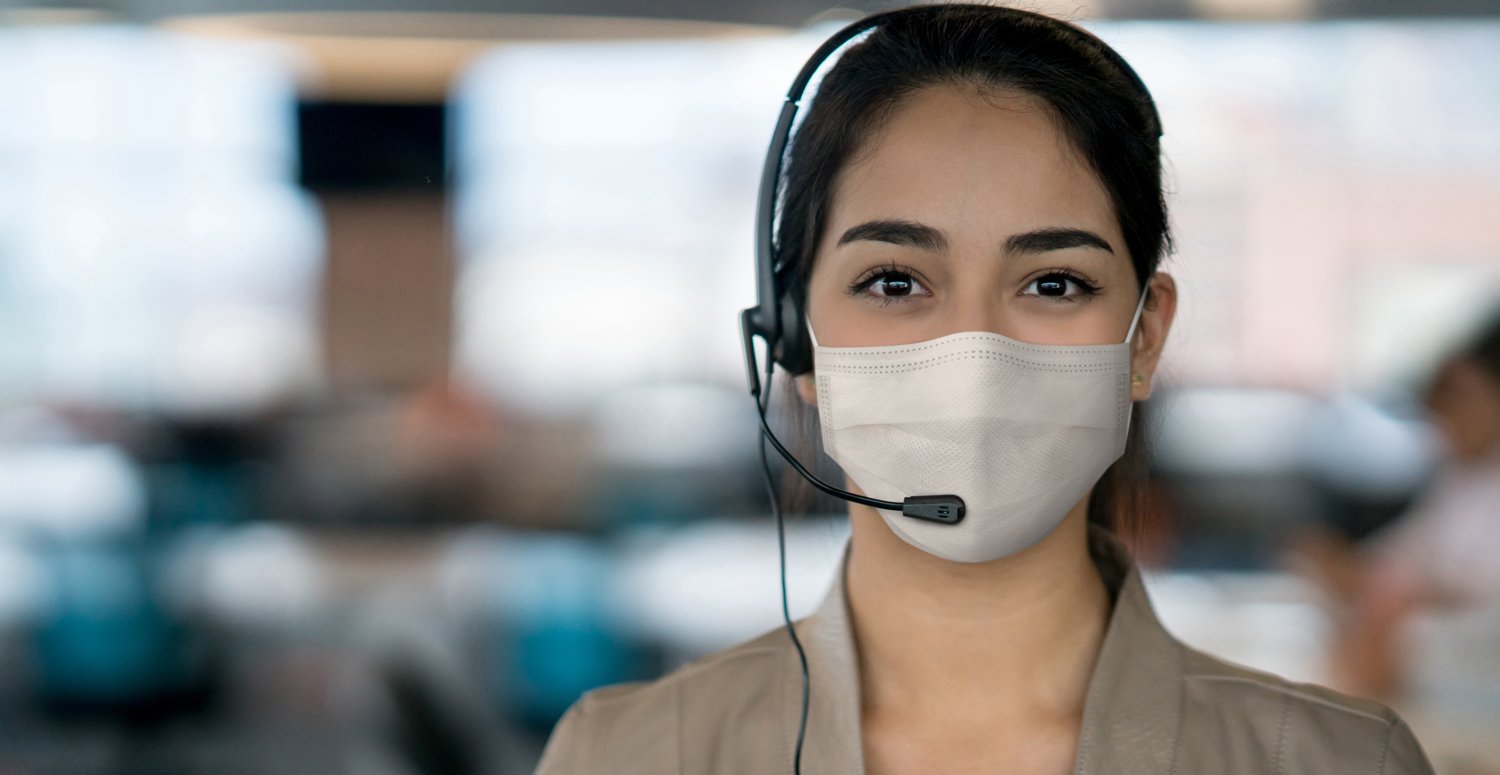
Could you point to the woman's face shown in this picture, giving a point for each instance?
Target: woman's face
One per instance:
(971, 211)
(1465, 403)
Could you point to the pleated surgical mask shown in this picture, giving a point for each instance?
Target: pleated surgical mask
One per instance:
(1019, 431)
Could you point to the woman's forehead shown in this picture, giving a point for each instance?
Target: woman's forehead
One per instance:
(968, 161)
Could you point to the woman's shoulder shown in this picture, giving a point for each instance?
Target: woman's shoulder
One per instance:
(640, 727)
(1236, 711)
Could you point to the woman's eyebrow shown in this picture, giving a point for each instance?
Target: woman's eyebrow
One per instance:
(917, 235)
(895, 232)
(1043, 240)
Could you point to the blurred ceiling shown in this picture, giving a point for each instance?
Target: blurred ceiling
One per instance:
(410, 51)
(781, 12)
(397, 56)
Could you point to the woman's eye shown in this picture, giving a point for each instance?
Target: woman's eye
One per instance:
(890, 284)
(1059, 285)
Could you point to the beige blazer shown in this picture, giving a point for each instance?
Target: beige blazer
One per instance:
(1153, 706)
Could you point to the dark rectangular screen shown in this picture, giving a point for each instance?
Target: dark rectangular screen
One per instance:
(354, 145)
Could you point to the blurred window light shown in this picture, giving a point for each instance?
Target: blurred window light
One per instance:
(1254, 9)
(1407, 315)
(715, 584)
(70, 491)
(1267, 620)
(1232, 431)
(1331, 188)
(22, 583)
(148, 188)
(605, 211)
(1354, 445)
(258, 575)
(674, 426)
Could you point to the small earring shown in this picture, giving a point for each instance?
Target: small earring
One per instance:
(1138, 379)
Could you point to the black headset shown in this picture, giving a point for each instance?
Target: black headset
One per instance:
(779, 317)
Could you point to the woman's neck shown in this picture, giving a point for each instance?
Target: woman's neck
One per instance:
(939, 640)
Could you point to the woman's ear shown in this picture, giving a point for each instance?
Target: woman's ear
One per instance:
(1151, 334)
(807, 388)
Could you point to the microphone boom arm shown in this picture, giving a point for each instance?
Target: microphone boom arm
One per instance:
(946, 509)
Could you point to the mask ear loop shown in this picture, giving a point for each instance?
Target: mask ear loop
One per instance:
(1140, 305)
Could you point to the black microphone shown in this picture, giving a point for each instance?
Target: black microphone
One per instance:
(943, 509)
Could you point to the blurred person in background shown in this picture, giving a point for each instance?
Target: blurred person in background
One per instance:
(969, 238)
(1444, 554)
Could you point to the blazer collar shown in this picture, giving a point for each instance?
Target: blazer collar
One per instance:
(1131, 711)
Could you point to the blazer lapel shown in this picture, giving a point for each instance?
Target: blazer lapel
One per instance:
(1133, 708)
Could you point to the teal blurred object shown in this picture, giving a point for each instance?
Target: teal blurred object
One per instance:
(198, 494)
(208, 473)
(554, 636)
(105, 641)
(555, 659)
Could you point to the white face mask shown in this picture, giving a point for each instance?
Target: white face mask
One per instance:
(1019, 431)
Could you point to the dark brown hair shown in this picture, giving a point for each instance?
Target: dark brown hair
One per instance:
(1484, 347)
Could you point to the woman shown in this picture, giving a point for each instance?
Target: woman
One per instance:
(1439, 557)
(969, 236)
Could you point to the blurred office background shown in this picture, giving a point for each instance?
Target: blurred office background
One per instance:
(370, 385)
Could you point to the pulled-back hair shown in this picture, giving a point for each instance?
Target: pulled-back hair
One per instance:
(1484, 347)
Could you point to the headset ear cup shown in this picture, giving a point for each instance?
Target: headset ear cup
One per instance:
(795, 350)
